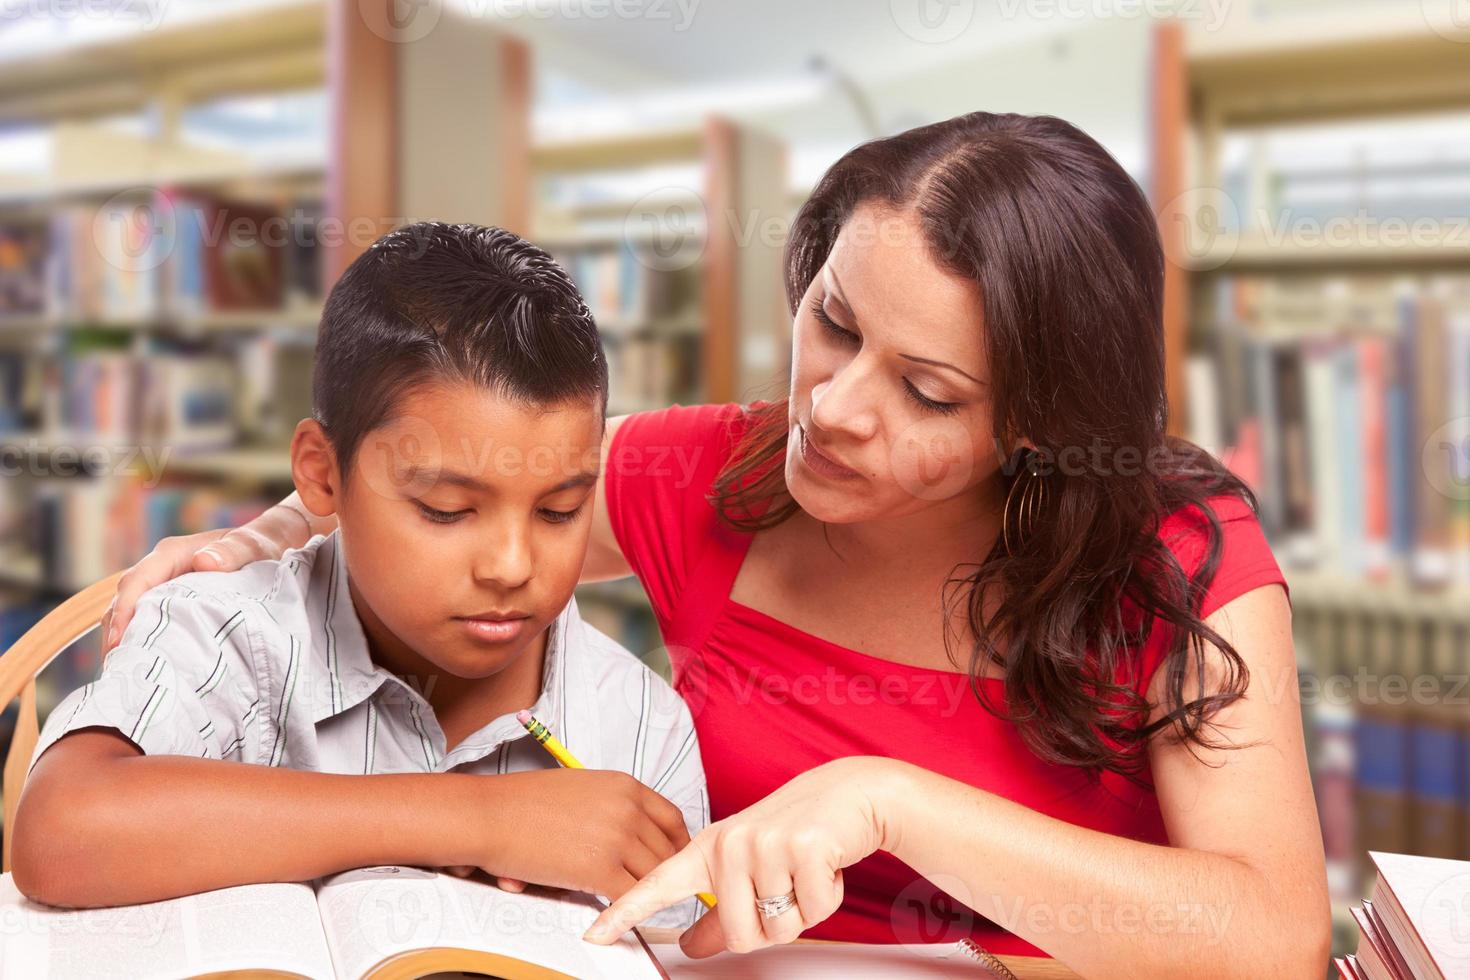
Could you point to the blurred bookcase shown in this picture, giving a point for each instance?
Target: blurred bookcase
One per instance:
(151, 374)
(191, 194)
(146, 359)
(1317, 329)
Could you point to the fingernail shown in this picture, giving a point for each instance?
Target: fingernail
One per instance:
(112, 636)
(212, 553)
(596, 933)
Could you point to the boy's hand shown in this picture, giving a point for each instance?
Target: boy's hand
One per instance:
(587, 830)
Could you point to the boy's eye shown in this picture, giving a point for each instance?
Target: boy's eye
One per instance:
(560, 516)
(440, 516)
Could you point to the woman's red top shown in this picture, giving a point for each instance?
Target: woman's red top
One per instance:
(770, 701)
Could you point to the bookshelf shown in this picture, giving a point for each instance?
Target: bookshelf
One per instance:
(1321, 368)
(384, 133)
(155, 354)
(671, 237)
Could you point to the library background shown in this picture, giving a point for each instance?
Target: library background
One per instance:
(1310, 164)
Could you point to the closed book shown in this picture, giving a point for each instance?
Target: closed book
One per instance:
(1318, 370)
(1421, 904)
(1435, 746)
(1373, 418)
(1381, 747)
(1347, 433)
(1432, 563)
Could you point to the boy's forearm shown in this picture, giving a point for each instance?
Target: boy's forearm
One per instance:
(152, 827)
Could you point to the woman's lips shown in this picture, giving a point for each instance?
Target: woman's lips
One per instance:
(822, 464)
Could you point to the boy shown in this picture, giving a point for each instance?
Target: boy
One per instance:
(372, 677)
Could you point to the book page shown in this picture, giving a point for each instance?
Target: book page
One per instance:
(263, 927)
(373, 913)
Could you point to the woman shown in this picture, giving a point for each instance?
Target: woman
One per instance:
(973, 648)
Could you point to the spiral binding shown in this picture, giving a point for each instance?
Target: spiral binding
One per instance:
(987, 959)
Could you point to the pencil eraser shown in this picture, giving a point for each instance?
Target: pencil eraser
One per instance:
(524, 717)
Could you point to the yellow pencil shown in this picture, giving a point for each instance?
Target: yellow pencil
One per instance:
(560, 753)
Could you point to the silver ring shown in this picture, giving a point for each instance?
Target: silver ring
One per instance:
(769, 908)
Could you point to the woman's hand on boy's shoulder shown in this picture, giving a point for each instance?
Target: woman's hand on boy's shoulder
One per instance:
(284, 526)
(588, 830)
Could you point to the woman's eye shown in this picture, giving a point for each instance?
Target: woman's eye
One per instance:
(440, 516)
(929, 404)
(560, 516)
(840, 333)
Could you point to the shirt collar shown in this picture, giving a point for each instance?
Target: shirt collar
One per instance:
(562, 636)
(349, 676)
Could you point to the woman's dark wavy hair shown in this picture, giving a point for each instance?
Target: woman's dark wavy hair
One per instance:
(1066, 252)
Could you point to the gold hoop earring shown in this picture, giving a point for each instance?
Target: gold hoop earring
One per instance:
(1028, 509)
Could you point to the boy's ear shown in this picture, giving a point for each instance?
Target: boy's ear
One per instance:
(314, 468)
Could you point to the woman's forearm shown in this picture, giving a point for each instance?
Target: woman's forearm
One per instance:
(146, 828)
(1107, 906)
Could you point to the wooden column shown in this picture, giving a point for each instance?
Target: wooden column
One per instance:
(429, 121)
(1169, 127)
(745, 311)
(721, 298)
(362, 162)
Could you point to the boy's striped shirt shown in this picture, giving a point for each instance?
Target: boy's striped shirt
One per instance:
(269, 665)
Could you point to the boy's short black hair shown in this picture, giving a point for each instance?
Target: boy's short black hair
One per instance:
(456, 302)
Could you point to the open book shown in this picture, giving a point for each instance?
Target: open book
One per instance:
(387, 923)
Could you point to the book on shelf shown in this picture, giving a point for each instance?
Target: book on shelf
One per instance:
(1388, 735)
(184, 400)
(81, 529)
(1440, 811)
(1345, 402)
(627, 287)
(224, 255)
(1381, 739)
(173, 254)
(371, 923)
(25, 257)
(1330, 731)
(652, 372)
(304, 255)
(1412, 927)
(21, 385)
